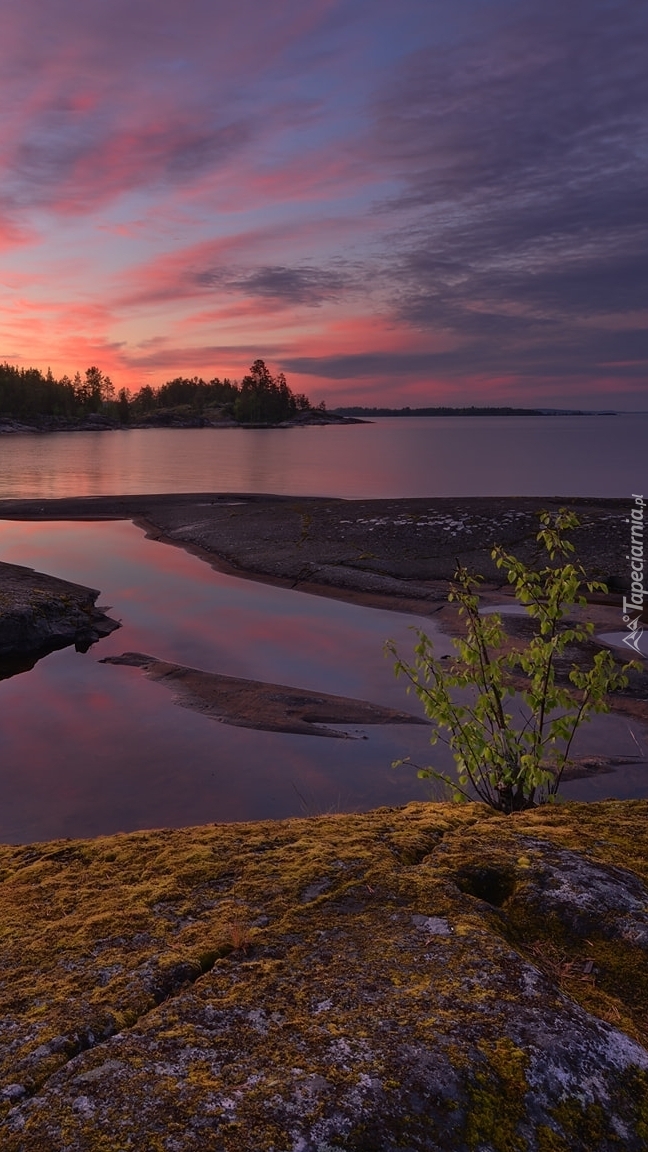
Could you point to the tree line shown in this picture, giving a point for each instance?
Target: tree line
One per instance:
(259, 398)
(358, 410)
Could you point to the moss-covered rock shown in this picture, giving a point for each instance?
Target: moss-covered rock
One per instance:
(432, 977)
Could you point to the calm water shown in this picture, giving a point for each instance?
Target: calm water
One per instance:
(449, 456)
(89, 748)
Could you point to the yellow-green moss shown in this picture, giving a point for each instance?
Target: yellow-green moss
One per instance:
(497, 1098)
(93, 933)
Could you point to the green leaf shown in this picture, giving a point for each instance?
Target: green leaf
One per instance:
(498, 761)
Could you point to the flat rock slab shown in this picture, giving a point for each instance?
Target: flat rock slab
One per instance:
(256, 704)
(39, 613)
(400, 550)
(433, 978)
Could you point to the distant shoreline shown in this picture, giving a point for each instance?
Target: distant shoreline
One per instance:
(356, 410)
(12, 425)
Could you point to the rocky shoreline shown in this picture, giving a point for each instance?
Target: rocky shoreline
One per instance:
(401, 551)
(10, 426)
(258, 704)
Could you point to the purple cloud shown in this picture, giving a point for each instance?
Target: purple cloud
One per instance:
(464, 185)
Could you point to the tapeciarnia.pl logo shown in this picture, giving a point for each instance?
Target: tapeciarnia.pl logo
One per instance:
(633, 606)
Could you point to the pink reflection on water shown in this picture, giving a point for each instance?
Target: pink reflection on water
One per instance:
(89, 748)
(398, 457)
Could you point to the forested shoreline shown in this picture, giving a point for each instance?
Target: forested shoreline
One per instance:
(40, 401)
(36, 399)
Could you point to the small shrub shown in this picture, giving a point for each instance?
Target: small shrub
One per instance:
(508, 765)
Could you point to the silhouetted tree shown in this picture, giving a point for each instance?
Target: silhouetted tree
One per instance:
(123, 406)
(261, 398)
(265, 399)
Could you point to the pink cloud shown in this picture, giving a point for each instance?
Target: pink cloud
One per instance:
(166, 150)
(370, 194)
(11, 236)
(313, 174)
(105, 100)
(66, 336)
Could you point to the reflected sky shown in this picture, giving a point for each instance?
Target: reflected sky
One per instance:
(398, 457)
(88, 748)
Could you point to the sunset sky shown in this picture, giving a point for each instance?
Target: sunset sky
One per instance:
(414, 202)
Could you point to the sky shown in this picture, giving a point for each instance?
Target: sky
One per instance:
(413, 203)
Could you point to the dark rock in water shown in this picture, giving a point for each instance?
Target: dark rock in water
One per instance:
(40, 613)
(256, 704)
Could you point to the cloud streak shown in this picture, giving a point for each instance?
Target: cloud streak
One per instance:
(530, 191)
(435, 200)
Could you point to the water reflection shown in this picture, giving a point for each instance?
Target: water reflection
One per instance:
(451, 456)
(13, 665)
(89, 748)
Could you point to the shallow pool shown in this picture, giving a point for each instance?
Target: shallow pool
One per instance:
(89, 748)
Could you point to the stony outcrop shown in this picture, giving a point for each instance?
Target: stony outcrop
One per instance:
(258, 704)
(39, 613)
(434, 978)
(401, 548)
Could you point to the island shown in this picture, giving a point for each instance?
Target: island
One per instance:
(33, 402)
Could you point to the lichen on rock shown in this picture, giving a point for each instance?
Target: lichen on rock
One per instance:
(431, 977)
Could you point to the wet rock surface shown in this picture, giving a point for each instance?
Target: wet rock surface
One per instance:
(39, 613)
(431, 977)
(260, 705)
(398, 549)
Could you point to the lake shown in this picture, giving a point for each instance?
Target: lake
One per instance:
(391, 457)
(88, 748)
